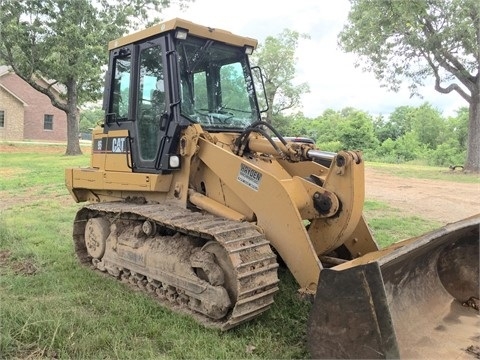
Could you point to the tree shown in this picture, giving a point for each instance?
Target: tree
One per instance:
(64, 42)
(356, 130)
(416, 40)
(276, 57)
(399, 122)
(428, 125)
(89, 118)
(452, 147)
(458, 127)
(327, 128)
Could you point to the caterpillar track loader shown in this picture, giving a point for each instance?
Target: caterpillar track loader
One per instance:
(193, 198)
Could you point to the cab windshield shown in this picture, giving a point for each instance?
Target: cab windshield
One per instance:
(216, 85)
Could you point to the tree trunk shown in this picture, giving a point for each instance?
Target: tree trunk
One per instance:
(73, 141)
(473, 149)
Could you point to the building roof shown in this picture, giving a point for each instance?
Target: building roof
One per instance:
(58, 88)
(11, 93)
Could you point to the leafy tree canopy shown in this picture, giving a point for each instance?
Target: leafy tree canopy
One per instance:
(89, 118)
(416, 40)
(418, 133)
(66, 41)
(276, 57)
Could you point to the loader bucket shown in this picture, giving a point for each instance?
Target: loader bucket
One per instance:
(416, 299)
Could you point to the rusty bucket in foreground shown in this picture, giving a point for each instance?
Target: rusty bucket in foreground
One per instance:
(415, 299)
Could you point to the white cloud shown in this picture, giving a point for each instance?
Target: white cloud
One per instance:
(334, 81)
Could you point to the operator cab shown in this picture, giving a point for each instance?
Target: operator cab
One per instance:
(162, 79)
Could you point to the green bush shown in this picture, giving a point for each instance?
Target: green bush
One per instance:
(334, 146)
(447, 154)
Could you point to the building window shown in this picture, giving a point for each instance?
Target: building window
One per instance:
(48, 122)
(2, 118)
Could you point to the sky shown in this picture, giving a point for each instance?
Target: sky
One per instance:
(334, 81)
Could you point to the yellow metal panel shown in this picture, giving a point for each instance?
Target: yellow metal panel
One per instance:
(97, 160)
(160, 183)
(214, 207)
(276, 211)
(109, 151)
(217, 191)
(303, 191)
(198, 30)
(361, 241)
(69, 183)
(304, 168)
(87, 178)
(125, 181)
(118, 161)
(346, 180)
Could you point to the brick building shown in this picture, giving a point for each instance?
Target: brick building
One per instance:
(26, 114)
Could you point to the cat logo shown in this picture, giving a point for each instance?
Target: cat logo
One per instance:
(118, 145)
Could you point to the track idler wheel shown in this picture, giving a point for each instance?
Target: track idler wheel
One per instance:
(96, 234)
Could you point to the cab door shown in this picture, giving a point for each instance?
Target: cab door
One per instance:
(151, 110)
(136, 100)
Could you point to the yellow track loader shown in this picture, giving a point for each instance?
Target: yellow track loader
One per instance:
(194, 199)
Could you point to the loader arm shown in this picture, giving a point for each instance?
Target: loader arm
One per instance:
(282, 203)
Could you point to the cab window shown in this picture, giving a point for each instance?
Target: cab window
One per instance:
(150, 101)
(119, 109)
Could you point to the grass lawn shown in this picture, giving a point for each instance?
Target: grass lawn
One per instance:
(409, 170)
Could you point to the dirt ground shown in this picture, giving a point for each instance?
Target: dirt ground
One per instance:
(439, 200)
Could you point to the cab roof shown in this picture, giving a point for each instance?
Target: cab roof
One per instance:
(195, 29)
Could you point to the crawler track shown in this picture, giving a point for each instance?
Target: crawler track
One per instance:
(254, 264)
